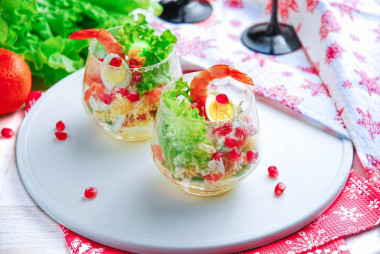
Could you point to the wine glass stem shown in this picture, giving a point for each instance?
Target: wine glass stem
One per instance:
(273, 27)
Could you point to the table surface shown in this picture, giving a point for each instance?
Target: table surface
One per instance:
(25, 228)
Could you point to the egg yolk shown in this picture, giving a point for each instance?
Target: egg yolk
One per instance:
(219, 111)
(114, 76)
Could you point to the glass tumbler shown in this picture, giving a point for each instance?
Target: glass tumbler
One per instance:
(110, 94)
(197, 155)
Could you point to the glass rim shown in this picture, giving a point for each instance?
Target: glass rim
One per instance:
(171, 83)
(145, 68)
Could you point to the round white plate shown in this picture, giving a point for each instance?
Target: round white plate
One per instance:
(139, 210)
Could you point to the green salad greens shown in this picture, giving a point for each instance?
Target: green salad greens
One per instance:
(155, 48)
(182, 130)
(38, 30)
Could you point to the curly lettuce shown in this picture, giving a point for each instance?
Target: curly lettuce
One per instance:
(182, 130)
(38, 30)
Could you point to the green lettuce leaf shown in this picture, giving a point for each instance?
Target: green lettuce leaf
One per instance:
(181, 130)
(38, 31)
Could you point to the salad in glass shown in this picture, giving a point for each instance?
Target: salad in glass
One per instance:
(126, 70)
(206, 133)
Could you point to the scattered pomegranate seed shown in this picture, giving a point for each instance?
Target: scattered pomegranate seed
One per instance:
(7, 132)
(133, 96)
(101, 59)
(60, 126)
(273, 172)
(235, 154)
(217, 156)
(222, 98)
(90, 193)
(115, 62)
(230, 142)
(252, 156)
(136, 77)
(61, 135)
(223, 130)
(107, 98)
(124, 92)
(279, 189)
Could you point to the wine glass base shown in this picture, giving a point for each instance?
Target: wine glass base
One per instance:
(185, 12)
(259, 39)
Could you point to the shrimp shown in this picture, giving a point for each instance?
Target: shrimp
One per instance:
(104, 37)
(199, 84)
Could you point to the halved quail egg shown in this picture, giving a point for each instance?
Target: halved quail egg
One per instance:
(115, 72)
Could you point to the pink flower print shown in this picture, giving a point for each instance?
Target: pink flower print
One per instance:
(334, 51)
(377, 32)
(311, 5)
(367, 122)
(312, 70)
(283, 8)
(316, 89)
(234, 4)
(371, 83)
(235, 23)
(354, 37)
(298, 28)
(287, 74)
(347, 8)
(233, 37)
(338, 117)
(347, 84)
(225, 61)
(194, 46)
(280, 94)
(360, 58)
(255, 55)
(158, 25)
(328, 24)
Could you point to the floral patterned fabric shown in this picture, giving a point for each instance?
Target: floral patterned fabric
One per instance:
(334, 79)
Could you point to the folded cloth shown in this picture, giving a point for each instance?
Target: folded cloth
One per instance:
(356, 209)
(333, 80)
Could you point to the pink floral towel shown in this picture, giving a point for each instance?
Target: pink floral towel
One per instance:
(356, 209)
(334, 80)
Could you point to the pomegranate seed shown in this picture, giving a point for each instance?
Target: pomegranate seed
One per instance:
(133, 96)
(222, 98)
(101, 59)
(61, 135)
(136, 77)
(279, 189)
(252, 156)
(7, 132)
(241, 133)
(60, 126)
(124, 92)
(230, 142)
(273, 172)
(213, 177)
(235, 154)
(107, 98)
(90, 193)
(197, 104)
(141, 117)
(224, 129)
(115, 62)
(217, 156)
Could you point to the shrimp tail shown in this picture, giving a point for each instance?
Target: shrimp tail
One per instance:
(85, 34)
(240, 76)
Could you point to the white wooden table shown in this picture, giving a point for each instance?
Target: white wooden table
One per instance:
(25, 228)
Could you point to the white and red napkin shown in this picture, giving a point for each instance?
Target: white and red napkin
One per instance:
(334, 79)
